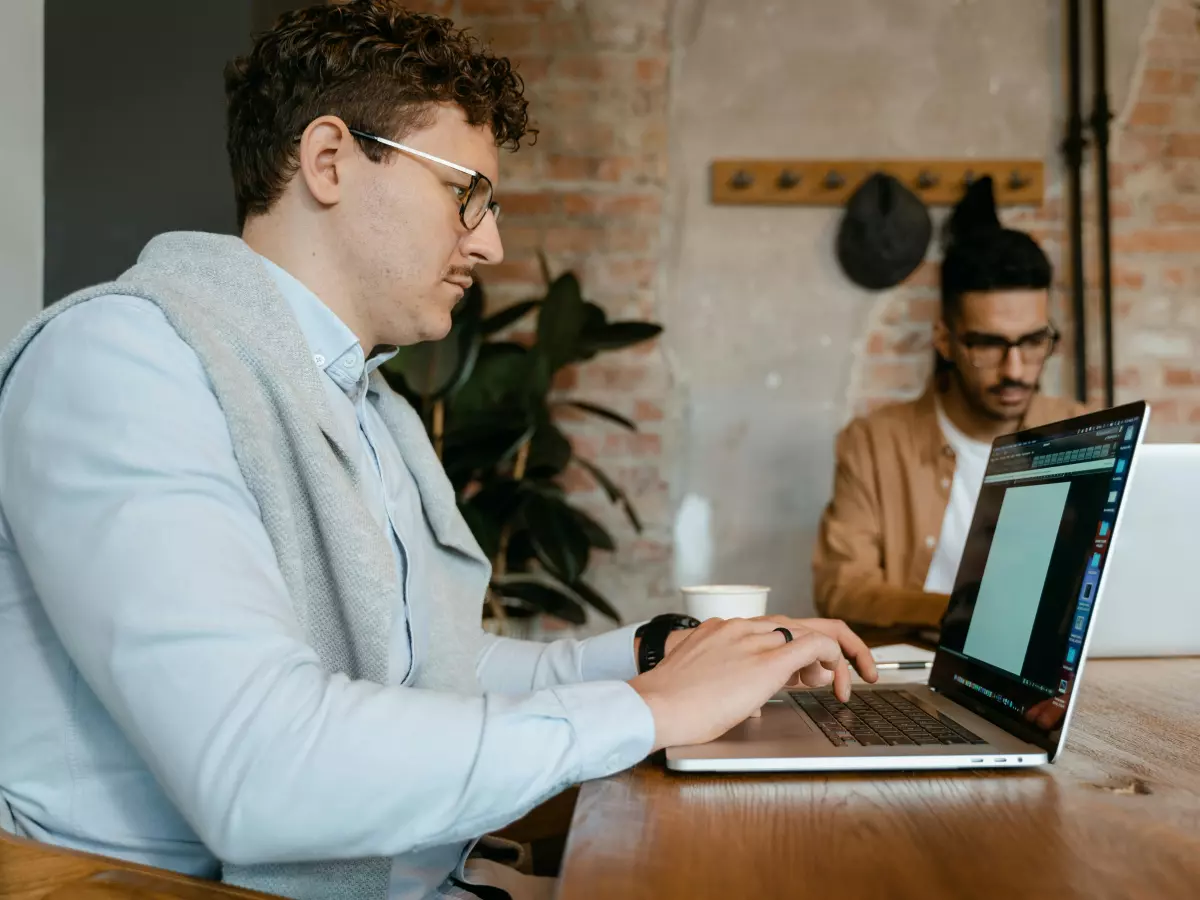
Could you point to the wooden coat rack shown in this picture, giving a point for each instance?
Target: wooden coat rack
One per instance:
(830, 182)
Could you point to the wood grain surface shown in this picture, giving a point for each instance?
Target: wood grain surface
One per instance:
(30, 870)
(1117, 816)
(831, 182)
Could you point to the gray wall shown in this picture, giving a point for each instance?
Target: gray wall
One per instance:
(21, 204)
(764, 333)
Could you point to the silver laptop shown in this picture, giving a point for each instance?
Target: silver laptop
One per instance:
(1151, 592)
(1014, 637)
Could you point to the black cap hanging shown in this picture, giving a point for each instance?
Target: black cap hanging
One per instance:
(884, 233)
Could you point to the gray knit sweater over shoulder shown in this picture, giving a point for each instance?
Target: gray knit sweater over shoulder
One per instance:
(337, 564)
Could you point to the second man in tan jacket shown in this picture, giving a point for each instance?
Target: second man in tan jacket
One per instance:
(908, 475)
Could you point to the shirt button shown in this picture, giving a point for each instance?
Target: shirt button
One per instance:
(350, 363)
(319, 359)
(930, 541)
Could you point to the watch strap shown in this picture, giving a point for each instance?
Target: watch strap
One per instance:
(653, 638)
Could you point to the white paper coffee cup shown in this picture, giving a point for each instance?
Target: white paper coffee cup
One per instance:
(725, 601)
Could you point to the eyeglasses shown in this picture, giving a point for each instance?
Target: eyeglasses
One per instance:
(475, 199)
(989, 351)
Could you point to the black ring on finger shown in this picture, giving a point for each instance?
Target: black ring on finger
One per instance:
(787, 635)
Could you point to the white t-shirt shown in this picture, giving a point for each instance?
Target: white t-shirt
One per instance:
(971, 457)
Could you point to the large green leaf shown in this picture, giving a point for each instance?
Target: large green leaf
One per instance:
(482, 447)
(594, 316)
(492, 508)
(542, 594)
(595, 599)
(538, 377)
(485, 529)
(499, 378)
(618, 335)
(544, 485)
(467, 429)
(615, 494)
(597, 535)
(602, 411)
(508, 316)
(595, 319)
(557, 537)
(435, 369)
(520, 550)
(561, 321)
(549, 451)
(513, 610)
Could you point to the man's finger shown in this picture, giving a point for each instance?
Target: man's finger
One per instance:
(806, 649)
(815, 675)
(853, 647)
(841, 681)
(856, 649)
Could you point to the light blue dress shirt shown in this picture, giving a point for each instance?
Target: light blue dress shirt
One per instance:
(143, 617)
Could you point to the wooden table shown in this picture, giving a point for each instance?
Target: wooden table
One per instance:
(1117, 816)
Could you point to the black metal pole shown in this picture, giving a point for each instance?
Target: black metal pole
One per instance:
(1072, 148)
(1101, 116)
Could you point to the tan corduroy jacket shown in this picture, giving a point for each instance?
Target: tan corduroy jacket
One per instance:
(891, 487)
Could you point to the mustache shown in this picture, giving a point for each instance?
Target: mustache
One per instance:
(461, 271)
(1009, 383)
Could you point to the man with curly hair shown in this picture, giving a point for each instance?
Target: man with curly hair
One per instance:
(240, 611)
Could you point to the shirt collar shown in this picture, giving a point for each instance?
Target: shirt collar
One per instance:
(955, 436)
(933, 442)
(334, 348)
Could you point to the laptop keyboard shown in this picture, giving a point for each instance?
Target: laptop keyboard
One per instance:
(880, 718)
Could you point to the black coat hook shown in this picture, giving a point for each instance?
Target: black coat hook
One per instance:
(927, 180)
(788, 179)
(741, 179)
(1016, 180)
(833, 181)
(969, 178)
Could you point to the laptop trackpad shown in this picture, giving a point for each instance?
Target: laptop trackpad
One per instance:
(779, 721)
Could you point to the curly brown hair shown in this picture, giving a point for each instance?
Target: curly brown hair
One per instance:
(377, 66)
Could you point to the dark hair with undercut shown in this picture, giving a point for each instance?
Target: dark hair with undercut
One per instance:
(378, 67)
(982, 255)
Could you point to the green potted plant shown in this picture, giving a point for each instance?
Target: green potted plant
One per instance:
(489, 406)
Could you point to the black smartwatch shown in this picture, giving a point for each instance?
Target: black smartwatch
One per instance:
(653, 637)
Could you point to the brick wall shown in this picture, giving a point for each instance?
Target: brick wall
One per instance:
(1156, 237)
(589, 193)
(1155, 200)
(592, 191)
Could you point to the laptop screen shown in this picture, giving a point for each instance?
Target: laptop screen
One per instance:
(1012, 637)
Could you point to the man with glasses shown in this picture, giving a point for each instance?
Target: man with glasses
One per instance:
(240, 612)
(908, 475)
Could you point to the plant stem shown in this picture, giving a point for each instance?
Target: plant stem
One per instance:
(500, 563)
(521, 461)
(439, 426)
(499, 567)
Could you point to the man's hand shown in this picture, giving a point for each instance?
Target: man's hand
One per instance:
(853, 649)
(722, 671)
